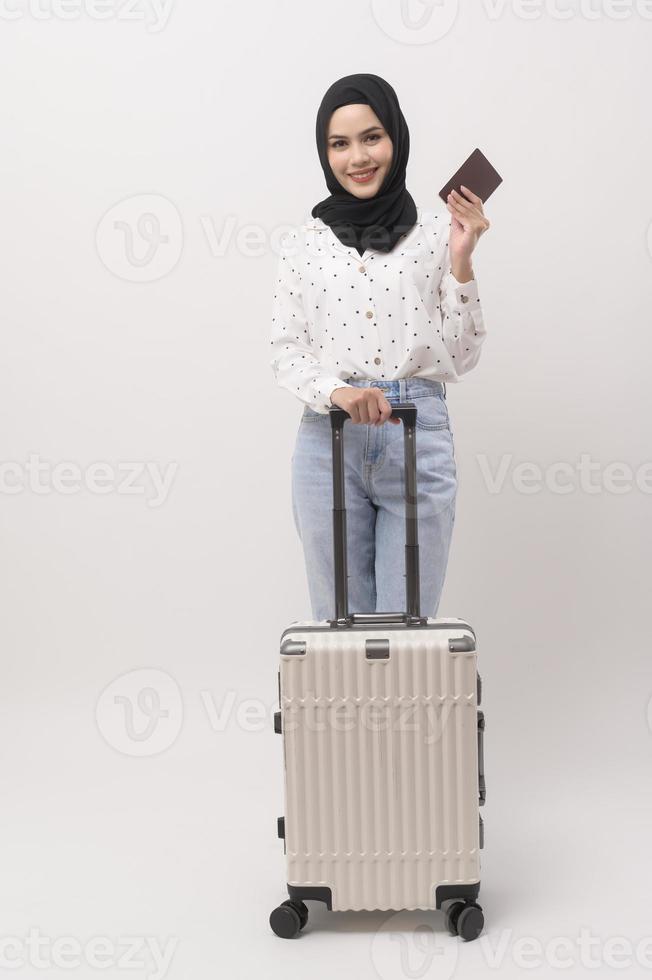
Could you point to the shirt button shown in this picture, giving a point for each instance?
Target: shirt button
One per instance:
(464, 298)
(370, 313)
(361, 268)
(376, 360)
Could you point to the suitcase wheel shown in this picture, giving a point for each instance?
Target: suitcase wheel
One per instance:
(464, 919)
(289, 919)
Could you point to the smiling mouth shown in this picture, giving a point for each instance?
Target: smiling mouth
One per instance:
(364, 175)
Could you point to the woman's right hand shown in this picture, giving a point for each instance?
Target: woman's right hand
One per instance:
(364, 405)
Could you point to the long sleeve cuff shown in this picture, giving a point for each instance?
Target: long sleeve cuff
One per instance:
(462, 296)
(325, 386)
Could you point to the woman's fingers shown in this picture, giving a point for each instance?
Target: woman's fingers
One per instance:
(471, 196)
(384, 408)
(470, 212)
(459, 201)
(387, 413)
(367, 407)
(464, 207)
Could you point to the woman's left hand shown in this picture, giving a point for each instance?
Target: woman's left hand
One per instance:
(468, 222)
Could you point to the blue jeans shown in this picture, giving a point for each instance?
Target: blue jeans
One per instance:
(374, 483)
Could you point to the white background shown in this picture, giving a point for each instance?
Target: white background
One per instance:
(118, 350)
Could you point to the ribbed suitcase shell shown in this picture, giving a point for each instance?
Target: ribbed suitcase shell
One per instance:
(382, 813)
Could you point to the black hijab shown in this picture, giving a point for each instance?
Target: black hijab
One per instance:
(379, 221)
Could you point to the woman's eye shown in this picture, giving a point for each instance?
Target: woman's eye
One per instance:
(372, 136)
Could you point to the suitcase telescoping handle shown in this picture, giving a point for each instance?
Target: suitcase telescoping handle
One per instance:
(407, 412)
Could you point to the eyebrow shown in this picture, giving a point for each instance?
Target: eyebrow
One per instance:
(334, 136)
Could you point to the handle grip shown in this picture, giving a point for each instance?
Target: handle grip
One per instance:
(407, 411)
(379, 618)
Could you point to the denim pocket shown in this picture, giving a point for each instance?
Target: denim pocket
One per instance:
(309, 415)
(432, 412)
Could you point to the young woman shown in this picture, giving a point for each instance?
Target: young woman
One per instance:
(375, 303)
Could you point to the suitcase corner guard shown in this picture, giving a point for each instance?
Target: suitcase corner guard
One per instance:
(295, 648)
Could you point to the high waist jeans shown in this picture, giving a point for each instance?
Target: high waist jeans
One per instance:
(374, 483)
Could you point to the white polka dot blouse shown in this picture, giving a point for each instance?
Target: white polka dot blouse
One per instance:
(380, 316)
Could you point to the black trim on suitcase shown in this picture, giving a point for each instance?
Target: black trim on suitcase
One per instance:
(482, 789)
(467, 893)
(443, 893)
(319, 893)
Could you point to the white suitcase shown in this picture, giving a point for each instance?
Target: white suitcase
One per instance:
(382, 747)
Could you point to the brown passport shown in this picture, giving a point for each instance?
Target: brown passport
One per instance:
(477, 174)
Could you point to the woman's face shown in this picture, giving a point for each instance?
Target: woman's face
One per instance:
(357, 141)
